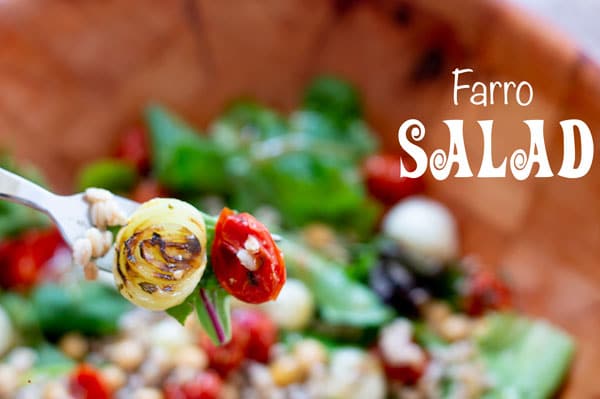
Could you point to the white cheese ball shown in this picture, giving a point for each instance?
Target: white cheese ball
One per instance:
(423, 226)
(294, 308)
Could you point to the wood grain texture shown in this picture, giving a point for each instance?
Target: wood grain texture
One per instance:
(74, 73)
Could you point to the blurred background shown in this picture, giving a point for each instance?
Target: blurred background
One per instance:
(578, 18)
(76, 77)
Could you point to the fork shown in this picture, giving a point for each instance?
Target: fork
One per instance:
(70, 213)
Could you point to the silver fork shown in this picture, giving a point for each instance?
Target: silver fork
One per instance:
(70, 213)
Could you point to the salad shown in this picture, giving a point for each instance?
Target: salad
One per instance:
(325, 276)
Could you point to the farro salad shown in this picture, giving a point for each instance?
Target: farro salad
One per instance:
(377, 301)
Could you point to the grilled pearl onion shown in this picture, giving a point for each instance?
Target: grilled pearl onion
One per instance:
(161, 254)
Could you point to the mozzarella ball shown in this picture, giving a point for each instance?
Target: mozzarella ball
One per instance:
(423, 226)
(294, 308)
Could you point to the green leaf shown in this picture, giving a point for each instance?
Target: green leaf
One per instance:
(183, 160)
(15, 218)
(336, 99)
(306, 188)
(184, 309)
(51, 364)
(213, 308)
(340, 300)
(113, 175)
(49, 355)
(21, 312)
(526, 358)
(26, 170)
(88, 307)
(364, 257)
(352, 143)
(247, 121)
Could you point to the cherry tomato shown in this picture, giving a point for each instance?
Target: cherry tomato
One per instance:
(407, 374)
(262, 332)
(148, 189)
(86, 383)
(382, 177)
(206, 385)
(134, 147)
(229, 357)
(22, 259)
(485, 291)
(240, 236)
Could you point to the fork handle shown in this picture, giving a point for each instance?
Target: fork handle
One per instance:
(17, 189)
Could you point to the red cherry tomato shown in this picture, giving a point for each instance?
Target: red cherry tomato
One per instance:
(262, 332)
(227, 358)
(407, 374)
(86, 383)
(134, 147)
(206, 385)
(485, 291)
(148, 189)
(22, 259)
(232, 234)
(382, 177)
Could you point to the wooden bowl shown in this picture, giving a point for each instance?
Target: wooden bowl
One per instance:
(73, 74)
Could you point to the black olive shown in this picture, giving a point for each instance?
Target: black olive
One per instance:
(396, 286)
(403, 280)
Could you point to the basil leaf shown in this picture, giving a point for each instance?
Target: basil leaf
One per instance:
(89, 307)
(113, 175)
(183, 310)
(184, 160)
(341, 301)
(528, 358)
(245, 122)
(336, 99)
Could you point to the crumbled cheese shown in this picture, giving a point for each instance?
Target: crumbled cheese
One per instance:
(251, 244)
(247, 260)
(247, 254)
